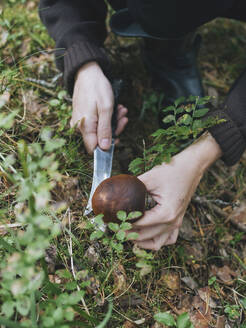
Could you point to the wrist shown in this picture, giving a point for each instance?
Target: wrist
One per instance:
(87, 68)
(205, 151)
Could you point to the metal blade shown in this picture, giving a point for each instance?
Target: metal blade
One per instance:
(102, 170)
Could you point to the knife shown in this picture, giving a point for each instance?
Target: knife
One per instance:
(103, 159)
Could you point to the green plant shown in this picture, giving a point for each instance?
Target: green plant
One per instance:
(167, 319)
(233, 311)
(187, 124)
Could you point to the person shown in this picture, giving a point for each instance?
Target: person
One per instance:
(170, 52)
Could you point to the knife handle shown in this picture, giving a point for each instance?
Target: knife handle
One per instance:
(116, 86)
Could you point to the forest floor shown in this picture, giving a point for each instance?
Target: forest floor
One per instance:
(203, 274)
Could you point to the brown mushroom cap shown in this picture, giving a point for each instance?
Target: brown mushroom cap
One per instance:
(120, 192)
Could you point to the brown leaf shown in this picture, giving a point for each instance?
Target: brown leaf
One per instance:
(205, 295)
(201, 315)
(128, 324)
(32, 104)
(220, 322)
(238, 217)
(225, 274)
(119, 276)
(92, 255)
(190, 282)
(170, 279)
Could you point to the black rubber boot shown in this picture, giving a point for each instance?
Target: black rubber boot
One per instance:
(173, 67)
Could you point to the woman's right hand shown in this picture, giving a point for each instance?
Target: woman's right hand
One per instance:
(93, 103)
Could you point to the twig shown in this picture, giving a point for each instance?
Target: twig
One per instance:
(70, 249)
(10, 225)
(43, 83)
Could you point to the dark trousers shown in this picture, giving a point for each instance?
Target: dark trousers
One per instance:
(178, 17)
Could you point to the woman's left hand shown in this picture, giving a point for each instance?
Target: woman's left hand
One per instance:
(172, 186)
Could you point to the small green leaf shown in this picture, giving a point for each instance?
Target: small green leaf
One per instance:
(243, 302)
(61, 94)
(197, 124)
(6, 121)
(58, 314)
(183, 321)
(165, 318)
(211, 280)
(121, 215)
(168, 109)
(134, 215)
(125, 226)
(46, 134)
(23, 305)
(98, 220)
(114, 226)
(185, 119)
(54, 144)
(8, 308)
(96, 235)
(200, 112)
(117, 247)
(54, 102)
(179, 101)
(132, 236)
(121, 235)
(169, 118)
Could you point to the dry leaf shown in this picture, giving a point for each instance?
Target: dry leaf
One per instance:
(119, 276)
(190, 282)
(238, 217)
(92, 255)
(170, 279)
(201, 315)
(220, 322)
(128, 324)
(205, 295)
(225, 274)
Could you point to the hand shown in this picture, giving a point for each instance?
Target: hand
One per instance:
(93, 102)
(172, 186)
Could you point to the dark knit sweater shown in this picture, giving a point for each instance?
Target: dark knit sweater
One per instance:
(78, 27)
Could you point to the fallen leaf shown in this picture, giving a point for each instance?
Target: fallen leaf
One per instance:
(238, 217)
(128, 324)
(92, 255)
(186, 231)
(171, 280)
(119, 276)
(220, 322)
(205, 295)
(200, 316)
(190, 282)
(225, 274)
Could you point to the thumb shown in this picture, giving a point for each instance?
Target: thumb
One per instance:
(104, 129)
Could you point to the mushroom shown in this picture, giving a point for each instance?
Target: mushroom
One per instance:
(120, 192)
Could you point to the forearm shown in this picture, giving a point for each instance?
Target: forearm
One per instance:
(78, 27)
(231, 135)
(204, 151)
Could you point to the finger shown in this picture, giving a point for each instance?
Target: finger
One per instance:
(172, 238)
(104, 128)
(154, 244)
(88, 129)
(121, 125)
(122, 111)
(154, 216)
(149, 233)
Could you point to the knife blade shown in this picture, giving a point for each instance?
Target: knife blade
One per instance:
(103, 159)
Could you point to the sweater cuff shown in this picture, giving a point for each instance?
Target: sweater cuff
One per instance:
(79, 54)
(229, 137)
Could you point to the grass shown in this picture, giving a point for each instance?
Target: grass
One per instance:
(211, 242)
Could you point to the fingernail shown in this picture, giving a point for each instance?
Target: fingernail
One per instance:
(105, 143)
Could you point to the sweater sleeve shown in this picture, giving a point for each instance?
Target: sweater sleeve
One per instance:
(231, 135)
(78, 28)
